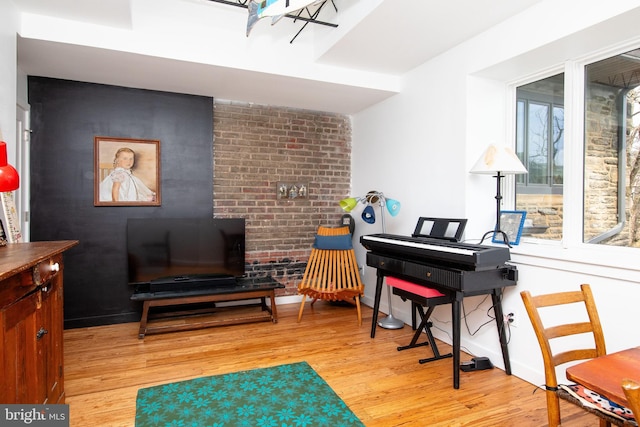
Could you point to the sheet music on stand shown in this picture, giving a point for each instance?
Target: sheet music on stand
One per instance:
(9, 218)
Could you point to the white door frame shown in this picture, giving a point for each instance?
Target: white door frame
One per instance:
(23, 193)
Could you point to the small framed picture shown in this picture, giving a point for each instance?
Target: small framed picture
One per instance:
(511, 223)
(126, 172)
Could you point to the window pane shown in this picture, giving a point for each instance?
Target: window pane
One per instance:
(520, 140)
(540, 146)
(611, 151)
(538, 143)
(557, 158)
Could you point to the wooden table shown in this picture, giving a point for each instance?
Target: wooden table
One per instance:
(604, 374)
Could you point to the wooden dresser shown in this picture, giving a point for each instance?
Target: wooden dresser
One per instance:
(31, 316)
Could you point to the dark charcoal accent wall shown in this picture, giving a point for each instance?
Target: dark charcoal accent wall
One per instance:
(65, 117)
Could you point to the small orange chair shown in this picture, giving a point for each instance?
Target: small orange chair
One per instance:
(332, 272)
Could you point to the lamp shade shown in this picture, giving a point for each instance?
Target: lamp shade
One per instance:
(393, 206)
(498, 159)
(348, 204)
(369, 215)
(9, 179)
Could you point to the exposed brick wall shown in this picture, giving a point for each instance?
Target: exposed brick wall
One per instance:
(257, 146)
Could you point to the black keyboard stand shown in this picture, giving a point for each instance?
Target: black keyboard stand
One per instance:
(489, 282)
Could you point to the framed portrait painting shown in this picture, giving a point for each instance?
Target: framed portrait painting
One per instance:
(126, 172)
(511, 223)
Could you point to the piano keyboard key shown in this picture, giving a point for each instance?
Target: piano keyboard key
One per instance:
(421, 245)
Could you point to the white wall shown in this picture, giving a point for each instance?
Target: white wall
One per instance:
(449, 110)
(8, 76)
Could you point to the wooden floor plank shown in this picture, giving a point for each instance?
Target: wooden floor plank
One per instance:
(106, 365)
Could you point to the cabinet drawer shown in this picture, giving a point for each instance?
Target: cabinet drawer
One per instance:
(387, 264)
(13, 289)
(26, 281)
(21, 309)
(46, 270)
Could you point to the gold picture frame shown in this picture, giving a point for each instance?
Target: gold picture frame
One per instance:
(126, 172)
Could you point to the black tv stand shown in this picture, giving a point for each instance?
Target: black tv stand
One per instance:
(192, 282)
(244, 289)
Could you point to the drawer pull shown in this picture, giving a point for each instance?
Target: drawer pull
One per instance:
(42, 332)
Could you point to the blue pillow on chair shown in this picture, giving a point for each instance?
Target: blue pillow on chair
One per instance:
(340, 242)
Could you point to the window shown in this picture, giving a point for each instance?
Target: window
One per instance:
(611, 151)
(611, 154)
(540, 146)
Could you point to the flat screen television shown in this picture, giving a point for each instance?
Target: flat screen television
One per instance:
(185, 250)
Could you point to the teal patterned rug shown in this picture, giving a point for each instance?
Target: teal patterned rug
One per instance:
(290, 395)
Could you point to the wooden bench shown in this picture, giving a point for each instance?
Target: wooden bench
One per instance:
(245, 289)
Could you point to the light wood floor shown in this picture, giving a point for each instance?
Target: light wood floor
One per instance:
(105, 366)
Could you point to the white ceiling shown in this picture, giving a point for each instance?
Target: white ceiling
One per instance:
(343, 70)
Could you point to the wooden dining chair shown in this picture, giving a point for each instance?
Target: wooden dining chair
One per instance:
(332, 272)
(632, 392)
(546, 332)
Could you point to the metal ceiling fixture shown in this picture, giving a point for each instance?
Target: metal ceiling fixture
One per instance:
(308, 14)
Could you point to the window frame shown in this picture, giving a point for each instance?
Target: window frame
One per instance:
(512, 116)
(571, 251)
(551, 103)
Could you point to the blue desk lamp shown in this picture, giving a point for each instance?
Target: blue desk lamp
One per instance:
(369, 216)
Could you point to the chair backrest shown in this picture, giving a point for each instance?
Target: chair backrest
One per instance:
(333, 231)
(632, 392)
(332, 271)
(332, 268)
(546, 332)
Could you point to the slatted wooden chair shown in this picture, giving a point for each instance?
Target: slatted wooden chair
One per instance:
(609, 412)
(332, 272)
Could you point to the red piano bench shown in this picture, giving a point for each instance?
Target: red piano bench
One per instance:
(420, 297)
